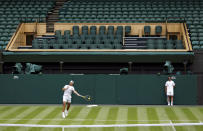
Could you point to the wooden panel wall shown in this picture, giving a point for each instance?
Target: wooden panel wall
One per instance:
(33, 27)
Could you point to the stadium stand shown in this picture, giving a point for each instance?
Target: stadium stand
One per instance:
(13, 12)
(118, 11)
(114, 11)
(115, 30)
(110, 36)
(105, 39)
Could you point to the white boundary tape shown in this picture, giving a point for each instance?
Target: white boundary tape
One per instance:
(114, 125)
(104, 120)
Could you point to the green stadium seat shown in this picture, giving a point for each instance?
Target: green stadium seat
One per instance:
(34, 46)
(194, 38)
(195, 42)
(58, 32)
(200, 34)
(85, 30)
(67, 32)
(94, 46)
(108, 46)
(52, 42)
(158, 29)
(201, 42)
(100, 46)
(97, 41)
(93, 28)
(88, 41)
(127, 29)
(117, 46)
(147, 30)
(196, 47)
(69, 41)
(78, 41)
(194, 34)
(102, 30)
(169, 44)
(150, 44)
(160, 44)
(56, 46)
(179, 46)
(75, 30)
(60, 41)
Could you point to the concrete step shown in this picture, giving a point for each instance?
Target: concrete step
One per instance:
(53, 16)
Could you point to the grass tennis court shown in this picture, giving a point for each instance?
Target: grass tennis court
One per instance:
(101, 115)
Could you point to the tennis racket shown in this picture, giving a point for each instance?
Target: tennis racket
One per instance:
(87, 97)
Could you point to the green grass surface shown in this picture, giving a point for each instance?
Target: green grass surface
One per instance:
(101, 115)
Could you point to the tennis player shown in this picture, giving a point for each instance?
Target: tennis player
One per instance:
(169, 89)
(68, 89)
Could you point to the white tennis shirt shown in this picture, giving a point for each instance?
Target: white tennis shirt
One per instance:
(170, 85)
(68, 91)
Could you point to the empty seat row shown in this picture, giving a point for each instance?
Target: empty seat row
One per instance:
(161, 44)
(77, 46)
(77, 41)
(106, 31)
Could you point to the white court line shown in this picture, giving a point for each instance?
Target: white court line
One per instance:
(99, 120)
(113, 125)
(174, 129)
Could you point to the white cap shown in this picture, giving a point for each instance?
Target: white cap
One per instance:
(72, 81)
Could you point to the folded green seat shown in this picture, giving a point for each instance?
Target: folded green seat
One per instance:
(75, 30)
(158, 29)
(119, 30)
(127, 30)
(94, 46)
(151, 44)
(117, 46)
(110, 30)
(195, 42)
(88, 41)
(169, 44)
(179, 44)
(93, 30)
(160, 44)
(102, 30)
(196, 47)
(84, 30)
(60, 41)
(58, 34)
(147, 30)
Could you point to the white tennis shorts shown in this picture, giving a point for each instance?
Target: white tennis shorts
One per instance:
(170, 93)
(66, 99)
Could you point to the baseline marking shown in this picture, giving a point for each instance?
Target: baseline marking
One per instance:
(101, 120)
(113, 125)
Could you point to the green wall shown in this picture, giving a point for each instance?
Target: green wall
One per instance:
(104, 89)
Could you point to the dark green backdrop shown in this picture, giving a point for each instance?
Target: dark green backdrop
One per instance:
(105, 89)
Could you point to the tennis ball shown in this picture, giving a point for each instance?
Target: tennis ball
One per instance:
(88, 98)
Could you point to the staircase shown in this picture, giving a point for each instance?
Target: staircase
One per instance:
(134, 43)
(53, 16)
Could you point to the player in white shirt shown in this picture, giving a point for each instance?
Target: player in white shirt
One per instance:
(68, 89)
(169, 89)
